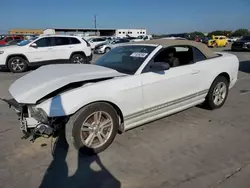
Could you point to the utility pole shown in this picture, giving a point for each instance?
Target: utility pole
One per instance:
(95, 23)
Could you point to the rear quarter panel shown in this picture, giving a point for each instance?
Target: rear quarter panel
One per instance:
(211, 68)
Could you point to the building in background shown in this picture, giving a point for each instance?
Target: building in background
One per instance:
(97, 32)
(130, 32)
(81, 32)
(26, 31)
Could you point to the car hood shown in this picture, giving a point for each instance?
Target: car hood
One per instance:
(43, 81)
(10, 47)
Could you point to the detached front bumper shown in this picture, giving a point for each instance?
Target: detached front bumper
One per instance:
(27, 120)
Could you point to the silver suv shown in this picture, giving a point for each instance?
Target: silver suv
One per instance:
(108, 45)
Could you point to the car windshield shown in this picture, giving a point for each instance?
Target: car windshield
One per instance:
(89, 39)
(246, 38)
(25, 42)
(107, 42)
(126, 59)
(140, 37)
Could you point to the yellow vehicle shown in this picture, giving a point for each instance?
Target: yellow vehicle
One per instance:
(217, 41)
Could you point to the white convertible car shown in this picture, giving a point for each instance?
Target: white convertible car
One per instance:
(131, 85)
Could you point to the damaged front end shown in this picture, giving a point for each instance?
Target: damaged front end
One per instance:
(34, 122)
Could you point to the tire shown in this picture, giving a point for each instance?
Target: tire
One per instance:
(17, 64)
(80, 139)
(78, 59)
(107, 50)
(211, 97)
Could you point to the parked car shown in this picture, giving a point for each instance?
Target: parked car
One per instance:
(95, 41)
(174, 38)
(217, 41)
(7, 39)
(131, 85)
(233, 39)
(242, 44)
(129, 38)
(142, 38)
(107, 46)
(44, 50)
(12, 42)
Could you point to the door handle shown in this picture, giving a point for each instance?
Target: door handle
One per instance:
(50, 48)
(195, 71)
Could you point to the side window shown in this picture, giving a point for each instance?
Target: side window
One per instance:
(99, 40)
(74, 41)
(216, 38)
(94, 40)
(16, 38)
(60, 41)
(43, 42)
(175, 56)
(221, 38)
(8, 39)
(198, 55)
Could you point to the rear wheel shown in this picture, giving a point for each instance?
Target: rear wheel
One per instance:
(92, 129)
(218, 93)
(17, 64)
(78, 59)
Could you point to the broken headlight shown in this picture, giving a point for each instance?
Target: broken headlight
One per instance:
(39, 114)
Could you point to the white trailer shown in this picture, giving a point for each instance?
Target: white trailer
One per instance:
(121, 33)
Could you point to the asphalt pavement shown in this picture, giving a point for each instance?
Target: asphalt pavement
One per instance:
(194, 148)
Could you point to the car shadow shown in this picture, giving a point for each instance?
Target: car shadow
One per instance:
(56, 174)
(244, 66)
(227, 50)
(4, 69)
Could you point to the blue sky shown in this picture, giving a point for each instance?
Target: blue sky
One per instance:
(158, 16)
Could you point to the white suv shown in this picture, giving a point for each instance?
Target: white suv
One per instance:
(45, 50)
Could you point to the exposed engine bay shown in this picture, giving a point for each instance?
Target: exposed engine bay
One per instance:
(34, 122)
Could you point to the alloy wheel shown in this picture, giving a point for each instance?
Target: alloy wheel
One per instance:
(17, 65)
(219, 93)
(96, 129)
(79, 60)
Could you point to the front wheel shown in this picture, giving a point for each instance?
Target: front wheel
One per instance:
(17, 64)
(93, 128)
(218, 93)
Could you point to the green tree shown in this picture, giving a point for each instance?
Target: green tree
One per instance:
(220, 32)
(197, 33)
(240, 33)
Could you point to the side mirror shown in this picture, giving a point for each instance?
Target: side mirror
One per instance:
(160, 66)
(33, 45)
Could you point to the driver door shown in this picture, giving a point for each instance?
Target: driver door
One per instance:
(169, 89)
(42, 53)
